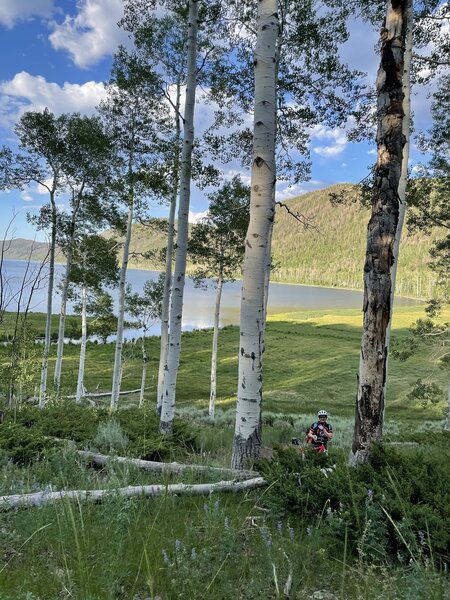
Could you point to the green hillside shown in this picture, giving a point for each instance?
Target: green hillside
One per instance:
(332, 252)
(22, 249)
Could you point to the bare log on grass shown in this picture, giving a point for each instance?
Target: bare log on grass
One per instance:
(160, 467)
(40, 498)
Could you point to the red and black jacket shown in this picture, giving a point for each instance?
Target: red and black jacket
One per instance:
(318, 429)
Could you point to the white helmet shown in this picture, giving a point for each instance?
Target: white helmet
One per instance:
(322, 413)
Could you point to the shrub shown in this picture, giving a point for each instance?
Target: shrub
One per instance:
(397, 506)
(110, 437)
(23, 445)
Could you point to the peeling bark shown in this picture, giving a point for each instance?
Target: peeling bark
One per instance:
(247, 439)
(406, 125)
(381, 232)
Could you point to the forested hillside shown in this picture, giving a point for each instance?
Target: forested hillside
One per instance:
(329, 253)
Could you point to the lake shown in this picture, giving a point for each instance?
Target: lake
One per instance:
(198, 310)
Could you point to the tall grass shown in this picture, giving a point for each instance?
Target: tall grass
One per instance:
(222, 546)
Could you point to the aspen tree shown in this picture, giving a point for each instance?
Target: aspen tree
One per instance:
(382, 229)
(176, 303)
(247, 437)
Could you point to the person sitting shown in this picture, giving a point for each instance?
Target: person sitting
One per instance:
(320, 432)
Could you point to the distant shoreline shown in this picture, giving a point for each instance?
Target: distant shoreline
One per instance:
(290, 283)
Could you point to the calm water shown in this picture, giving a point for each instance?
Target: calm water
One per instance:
(199, 303)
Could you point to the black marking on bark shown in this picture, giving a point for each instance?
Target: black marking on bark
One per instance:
(259, 161)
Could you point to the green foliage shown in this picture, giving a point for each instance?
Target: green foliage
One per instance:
(425, 392)
(135, 429)
(397, 506)
(142, 428)
(23, 445)
(216, 244)
(65, 420)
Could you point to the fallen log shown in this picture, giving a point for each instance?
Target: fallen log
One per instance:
(159, 467)
(40, 498)
(103, 394)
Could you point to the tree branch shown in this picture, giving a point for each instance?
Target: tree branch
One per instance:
(301, 218)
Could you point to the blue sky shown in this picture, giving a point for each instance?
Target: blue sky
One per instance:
(57, 53)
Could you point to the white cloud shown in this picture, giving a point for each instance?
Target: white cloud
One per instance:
(91, 34)
(12, 11)
(29, 92)
(372, 152)
(285, 191)
(230, 173)
(195, 217)
(337, 137)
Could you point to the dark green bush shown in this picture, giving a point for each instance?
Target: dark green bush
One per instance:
(397, 506)
(21, 444)
(67, 420)
(142, 426)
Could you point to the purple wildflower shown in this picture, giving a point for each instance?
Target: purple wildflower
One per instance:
(280, 526)
(193, 554)
(205, 507)
(226, 523)
(165, 557)
(178, 545)
(370, 494)
(291, 533)
(309, 531)
(216, 506)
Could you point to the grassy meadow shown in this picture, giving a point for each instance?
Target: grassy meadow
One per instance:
(311, 360)
(378, 532)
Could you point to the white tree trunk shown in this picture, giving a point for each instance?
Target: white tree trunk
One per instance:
(382, 228)
(164, 347)
(64, 293)
(121, 312)
(80, 383)
(144, 370)
(213, 393)
(48, 323)
(176, 304)
(247, 438)
(62, 321)
(403, 205)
